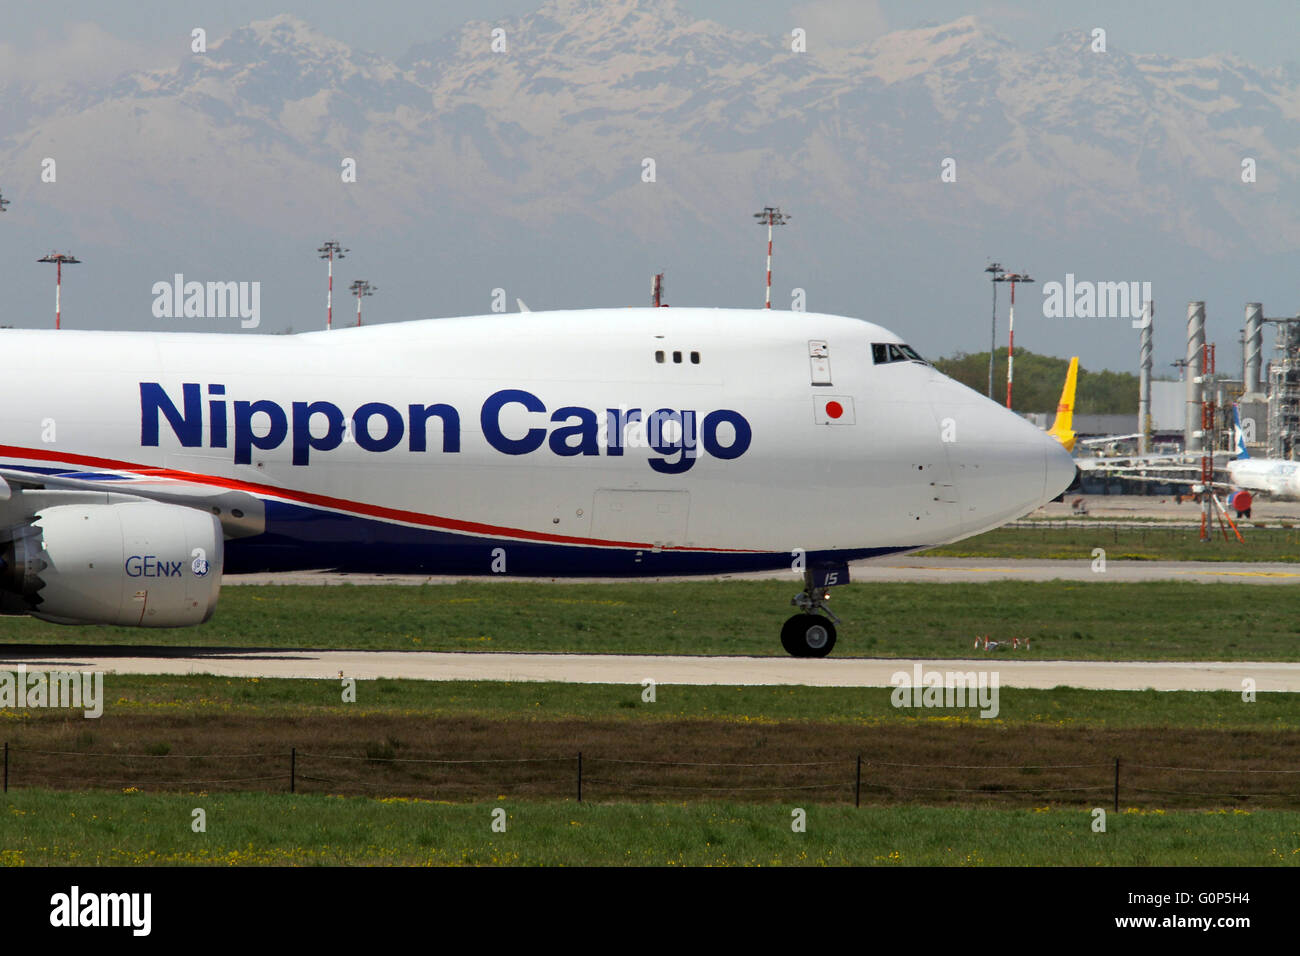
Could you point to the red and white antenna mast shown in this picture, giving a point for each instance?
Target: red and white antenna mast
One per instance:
(772, 216)
(331, 251)
(657, 291)
(59, 258)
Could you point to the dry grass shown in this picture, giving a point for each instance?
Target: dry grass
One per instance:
(151, 753)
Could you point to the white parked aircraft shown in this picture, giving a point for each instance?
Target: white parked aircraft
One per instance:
(1276, 477)
(1279, 478)
(136, 467)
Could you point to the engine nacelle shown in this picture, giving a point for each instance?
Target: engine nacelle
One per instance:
(137, 563)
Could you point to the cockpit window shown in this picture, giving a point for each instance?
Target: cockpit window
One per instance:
(882, 353)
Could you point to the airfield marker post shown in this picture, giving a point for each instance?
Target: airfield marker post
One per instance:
(1117, 785)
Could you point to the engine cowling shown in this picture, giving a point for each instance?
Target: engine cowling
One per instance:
(137, 563)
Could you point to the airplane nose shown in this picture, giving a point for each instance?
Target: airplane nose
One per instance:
(1060, 468)
(1003, 467)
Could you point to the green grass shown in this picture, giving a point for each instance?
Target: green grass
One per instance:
(1159, 620)
(44, 828)
(137, 695)
(1133, 544)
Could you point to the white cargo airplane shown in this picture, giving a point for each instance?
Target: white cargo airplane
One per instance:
(136, 467)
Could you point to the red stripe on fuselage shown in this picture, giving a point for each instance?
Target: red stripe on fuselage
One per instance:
(336, 504)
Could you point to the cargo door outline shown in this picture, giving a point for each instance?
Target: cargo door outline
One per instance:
(658, 518)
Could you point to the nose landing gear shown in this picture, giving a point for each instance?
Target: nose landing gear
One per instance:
(808, 635)
(811, 633)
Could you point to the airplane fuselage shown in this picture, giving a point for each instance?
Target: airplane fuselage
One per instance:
(1276, 477)
(601, 442)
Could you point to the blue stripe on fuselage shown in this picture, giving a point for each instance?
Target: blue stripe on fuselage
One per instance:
(301, 538)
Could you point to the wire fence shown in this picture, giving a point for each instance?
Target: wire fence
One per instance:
(1286, 530)
(858, 778)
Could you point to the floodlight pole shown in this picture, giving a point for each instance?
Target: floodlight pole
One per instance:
(59, 258)
(773, 216)
(3, 203)
(1013, 278)
(996, 269)
(331, 251)
(359, 288)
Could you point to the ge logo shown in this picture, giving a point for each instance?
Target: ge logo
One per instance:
(200, 564)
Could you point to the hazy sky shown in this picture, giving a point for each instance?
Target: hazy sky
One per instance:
(94, 42)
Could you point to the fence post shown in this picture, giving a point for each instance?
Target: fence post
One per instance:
(293, 769)
(1117, 785)
(580, 776)
(857, 786)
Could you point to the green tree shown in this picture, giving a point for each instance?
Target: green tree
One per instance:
(1039, 380)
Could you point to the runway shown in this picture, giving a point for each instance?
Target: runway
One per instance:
(634, 669)
(947, 570)
(908, 568)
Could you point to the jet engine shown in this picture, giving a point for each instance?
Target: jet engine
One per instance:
(135, 563)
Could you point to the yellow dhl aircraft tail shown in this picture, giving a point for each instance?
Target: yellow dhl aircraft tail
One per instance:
(1061, 429)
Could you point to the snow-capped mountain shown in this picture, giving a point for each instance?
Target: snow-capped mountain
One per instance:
(584, 91)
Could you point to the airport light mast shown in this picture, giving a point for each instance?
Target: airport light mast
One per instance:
(773, 216)
(996, 269)
(59, 258)
(3, 202)
(1013, 278)
(331, 251)
(360, 288)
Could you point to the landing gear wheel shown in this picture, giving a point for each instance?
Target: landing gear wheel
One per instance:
(808, 635)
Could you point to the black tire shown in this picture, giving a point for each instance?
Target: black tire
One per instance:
(808, 635)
